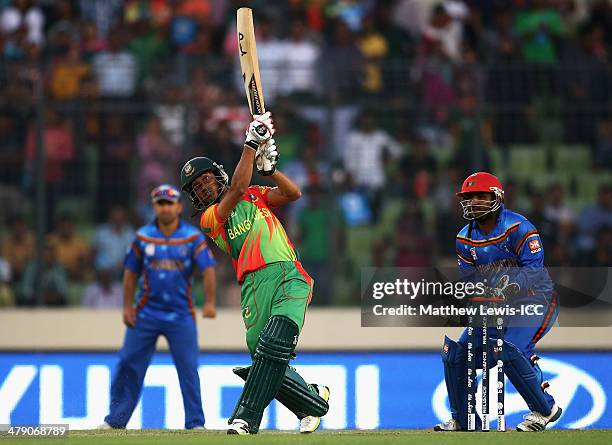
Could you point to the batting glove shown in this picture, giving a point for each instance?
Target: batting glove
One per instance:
(266, 158)
(260, 130)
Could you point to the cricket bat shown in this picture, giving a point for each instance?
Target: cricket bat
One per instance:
(249, 63)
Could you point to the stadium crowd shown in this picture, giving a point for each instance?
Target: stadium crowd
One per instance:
(381, 108)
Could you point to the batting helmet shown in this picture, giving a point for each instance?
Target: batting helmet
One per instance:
(193, 169)
(481, 182)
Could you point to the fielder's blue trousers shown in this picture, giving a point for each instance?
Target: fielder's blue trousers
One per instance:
(135, 357)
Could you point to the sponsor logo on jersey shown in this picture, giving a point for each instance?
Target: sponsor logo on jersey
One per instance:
(167, 264)
(534, 246)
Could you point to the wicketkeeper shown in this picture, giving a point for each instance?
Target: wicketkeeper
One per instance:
(275, 289)
(499, 242)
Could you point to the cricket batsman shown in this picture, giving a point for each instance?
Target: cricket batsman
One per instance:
(275, 289)
(497, 239)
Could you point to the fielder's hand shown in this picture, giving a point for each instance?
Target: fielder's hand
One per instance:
(260, 130)
(129, 316)
(266, 158)
(209, 310)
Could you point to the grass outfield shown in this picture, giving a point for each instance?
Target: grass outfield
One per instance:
(148, 437)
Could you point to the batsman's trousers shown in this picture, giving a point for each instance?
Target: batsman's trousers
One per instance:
(282, 288)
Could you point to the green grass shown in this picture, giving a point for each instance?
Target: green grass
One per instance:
(148, 437)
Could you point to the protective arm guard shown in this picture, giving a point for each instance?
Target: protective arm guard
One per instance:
(272, 354)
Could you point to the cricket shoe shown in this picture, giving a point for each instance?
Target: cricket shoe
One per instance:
(309, 424)
(108, 426)
(449, 425)
(535, 421)
(239, 427)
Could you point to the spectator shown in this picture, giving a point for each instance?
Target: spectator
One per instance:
(603, 156)
(584, 69)
(111, 240)
(198, 10)
(352, 13)
(172, 114)
(448, 215)
(272, 54)
(148, 45)
(345, 64)
(106, 292)
(401, 48)
(601, 254)
(302, 60)
(595, 217)
(413, 246)
(59, 150)
(227, 152)
(541, 27)
(471, 132)
(54, 283)
(556, 210)
(505, 84)
(442, 28)
(17, 246)
(69, 75)
(364, 157)
(314, 223)
(116, 69)
(64, 30)
(70, 249)
(7, 298)
(374, 48)
(103, 13)
(417, 169)
(158, 13)
(23, 15)
(309, 169)
(547, 228)
(434, 71)
(116, 150)
(11, 159)
(158, 157)
(91, 43)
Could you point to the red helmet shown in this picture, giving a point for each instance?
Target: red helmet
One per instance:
(481, 182)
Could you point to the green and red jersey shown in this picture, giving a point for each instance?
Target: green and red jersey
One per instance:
(252, 235)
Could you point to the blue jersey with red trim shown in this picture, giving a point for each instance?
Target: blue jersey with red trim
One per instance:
(513, 247)
(165, 265)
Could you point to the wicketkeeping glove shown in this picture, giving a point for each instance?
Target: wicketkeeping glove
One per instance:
(266, 158)
(260, 130)
(504, 289)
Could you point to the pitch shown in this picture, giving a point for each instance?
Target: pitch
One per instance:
(148, 437)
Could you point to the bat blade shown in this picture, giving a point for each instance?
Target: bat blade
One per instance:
(249, 64)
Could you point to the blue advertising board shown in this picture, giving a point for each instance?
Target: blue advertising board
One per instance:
(368, 390)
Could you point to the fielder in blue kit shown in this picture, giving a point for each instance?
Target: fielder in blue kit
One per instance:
(504, 247)
(162, 261)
